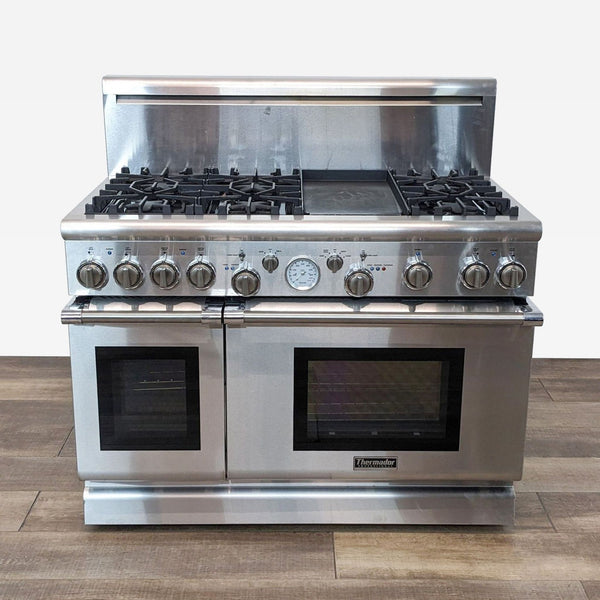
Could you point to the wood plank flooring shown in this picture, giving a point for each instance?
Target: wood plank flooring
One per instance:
(552, 551)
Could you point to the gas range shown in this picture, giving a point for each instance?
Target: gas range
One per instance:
(300, 301)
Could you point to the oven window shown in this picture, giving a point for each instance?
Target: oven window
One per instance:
(148, 398)
(377, 398)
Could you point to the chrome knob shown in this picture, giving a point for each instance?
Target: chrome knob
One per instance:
(511, 275)
(201, 274)
(128, 274)
(417, 275)
(475, 275)
(335, 262)
(246, 281)
(358, 282)
(270, 262)
(165, 274)
(92, 274)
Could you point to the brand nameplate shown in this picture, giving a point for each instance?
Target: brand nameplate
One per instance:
(375, 462)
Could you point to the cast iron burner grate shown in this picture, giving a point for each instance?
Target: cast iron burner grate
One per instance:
(453, 194)
(192, 193)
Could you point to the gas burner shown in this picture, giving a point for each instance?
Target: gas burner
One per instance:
(154, 186)
(451, 195)
(449, 186)
(209, 192)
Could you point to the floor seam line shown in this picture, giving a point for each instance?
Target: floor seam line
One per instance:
(545, 389)
(66, 440)
(30, 509)
(335, 569)
(538, 494)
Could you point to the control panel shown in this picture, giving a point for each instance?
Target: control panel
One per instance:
(296, 269)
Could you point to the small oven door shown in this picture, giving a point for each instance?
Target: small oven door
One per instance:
(420, 392)
(148, 389)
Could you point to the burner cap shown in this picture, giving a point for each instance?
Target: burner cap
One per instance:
(252, 186)
(154, 185)
(447, 186)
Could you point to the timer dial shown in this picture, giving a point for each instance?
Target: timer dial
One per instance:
(302, 274)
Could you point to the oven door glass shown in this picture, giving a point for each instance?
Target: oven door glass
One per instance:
(377, 398)
(148, 398)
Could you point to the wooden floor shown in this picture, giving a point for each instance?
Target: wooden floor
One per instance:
(552, 552)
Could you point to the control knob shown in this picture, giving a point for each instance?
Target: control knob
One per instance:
(270, 262)
(165, 274)
(128, 274)
(246, 281)
(201, 274)
(418, 275)
(334, 262)
(511, 274)
(92, 274)
(475, 275)
(358, 282)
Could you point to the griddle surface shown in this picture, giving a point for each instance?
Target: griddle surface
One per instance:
(349, 198)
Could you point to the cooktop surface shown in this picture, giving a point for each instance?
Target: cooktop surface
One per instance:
(306, 192)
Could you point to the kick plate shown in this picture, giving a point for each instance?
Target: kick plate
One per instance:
(108, 503)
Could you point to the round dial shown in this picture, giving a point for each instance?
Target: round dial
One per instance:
(358, 282)
(246, 281)
(201, 274)
(335, 262)
(475, 275)
(270, 262)
(511, 275)
(128, 275)
(302, 274)
(417, 275)
(92, 274)
(165, 274)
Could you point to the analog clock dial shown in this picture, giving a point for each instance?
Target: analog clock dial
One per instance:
(302, 274)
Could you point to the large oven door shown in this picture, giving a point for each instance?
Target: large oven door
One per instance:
(378, 390)
(148, 389)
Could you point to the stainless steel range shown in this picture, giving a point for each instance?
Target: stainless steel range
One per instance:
(300, 301)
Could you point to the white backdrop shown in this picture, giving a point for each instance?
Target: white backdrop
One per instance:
(544, 55)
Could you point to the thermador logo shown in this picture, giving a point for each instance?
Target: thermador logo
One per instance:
(375, 462)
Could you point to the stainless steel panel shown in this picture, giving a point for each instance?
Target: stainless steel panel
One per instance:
(266, 124)
(108, 503)
(205, 464)
(387, 259)
(261, 385)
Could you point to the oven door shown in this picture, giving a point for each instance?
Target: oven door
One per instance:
(148, 389)
(420, 392)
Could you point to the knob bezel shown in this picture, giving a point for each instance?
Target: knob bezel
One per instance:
(169, 262)
(467, 266)
(508, 263)
(97, 263)
(204, 263)
(355, 271)
(136, 266)
(265, 262)
(412, 265)
(241, 271)
(334, 263)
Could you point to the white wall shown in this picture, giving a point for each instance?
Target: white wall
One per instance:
(544, 55)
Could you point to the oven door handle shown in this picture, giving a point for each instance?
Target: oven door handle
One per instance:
(111, 311)
(269, 313)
